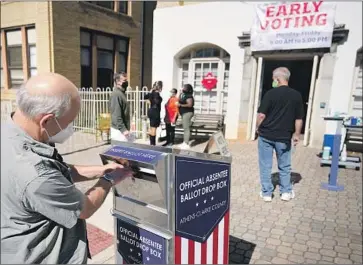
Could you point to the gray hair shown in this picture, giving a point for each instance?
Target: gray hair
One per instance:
(33, 105)
(117, 76)
(282, 73)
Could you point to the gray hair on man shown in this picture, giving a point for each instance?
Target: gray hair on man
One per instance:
(117, 76)
(281, 73)
(32, 104)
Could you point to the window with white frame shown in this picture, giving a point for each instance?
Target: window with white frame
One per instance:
(18, 61)
(15, 58)
(32, 52)
(194, 66)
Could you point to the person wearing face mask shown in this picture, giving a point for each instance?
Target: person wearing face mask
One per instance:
(42, 212)
(186, 110)
(120, 109)
(171, 115)
(279, 124)
(154, 111)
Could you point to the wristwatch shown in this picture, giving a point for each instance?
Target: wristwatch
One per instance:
(108, 178)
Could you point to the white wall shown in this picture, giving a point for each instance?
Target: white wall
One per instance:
(219, 23)
(350, 14)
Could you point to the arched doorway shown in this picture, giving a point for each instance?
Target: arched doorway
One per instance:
(194, 64)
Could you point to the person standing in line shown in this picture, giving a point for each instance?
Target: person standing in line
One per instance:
(279, 123)
(171, 115)
(120, 109)
(186, 110)
(154, 111)
(42, 211)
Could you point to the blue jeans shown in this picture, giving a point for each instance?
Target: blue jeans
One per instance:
(283, 154)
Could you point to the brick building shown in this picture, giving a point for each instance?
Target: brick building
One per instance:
(86, 41)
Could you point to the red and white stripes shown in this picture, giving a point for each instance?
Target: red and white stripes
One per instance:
(213, 251)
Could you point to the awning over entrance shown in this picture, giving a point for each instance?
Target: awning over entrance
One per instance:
(340, 35)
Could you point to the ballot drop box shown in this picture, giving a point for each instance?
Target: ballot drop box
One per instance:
(176, 208)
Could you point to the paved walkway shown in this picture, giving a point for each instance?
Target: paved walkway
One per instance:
(317, 227)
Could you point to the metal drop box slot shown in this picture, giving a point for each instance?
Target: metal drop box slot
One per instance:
(177, 201)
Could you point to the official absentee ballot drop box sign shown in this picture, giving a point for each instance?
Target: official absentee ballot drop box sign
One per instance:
(202, 211)
(176, 209)
(136, 245)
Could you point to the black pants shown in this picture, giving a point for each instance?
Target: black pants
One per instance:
(170, 133)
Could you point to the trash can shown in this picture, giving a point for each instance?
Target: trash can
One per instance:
(175, 210)
(104, 124)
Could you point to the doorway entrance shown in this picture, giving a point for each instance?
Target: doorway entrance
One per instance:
(301, 71)
(303, 78)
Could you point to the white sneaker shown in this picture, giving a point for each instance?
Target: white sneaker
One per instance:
(184, 146)
(266, 198)
(287, 196)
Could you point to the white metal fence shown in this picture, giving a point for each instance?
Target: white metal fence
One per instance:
(138, 107)
(96, 102)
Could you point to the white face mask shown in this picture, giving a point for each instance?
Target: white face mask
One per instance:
(63, 135)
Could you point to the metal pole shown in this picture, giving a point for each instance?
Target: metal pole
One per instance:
(334, 167)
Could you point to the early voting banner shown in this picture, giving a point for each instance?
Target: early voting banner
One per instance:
(202, 196)
(139, 246)
(292, 25)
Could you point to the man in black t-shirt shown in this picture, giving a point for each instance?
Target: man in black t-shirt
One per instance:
(279, 124)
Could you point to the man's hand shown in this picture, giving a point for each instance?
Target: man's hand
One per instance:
(126, 133)
(295, 139)
(95, 196)
(111, 167)
(120, 173)
(260, 119)
(85, 173)
(177, 104)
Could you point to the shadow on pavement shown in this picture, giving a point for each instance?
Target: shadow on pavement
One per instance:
(240, 251)
(295, 178)
(198, 141)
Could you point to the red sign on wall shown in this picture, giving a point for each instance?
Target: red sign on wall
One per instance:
(209, 81)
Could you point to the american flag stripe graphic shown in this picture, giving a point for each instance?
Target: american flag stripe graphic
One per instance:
(213, 251)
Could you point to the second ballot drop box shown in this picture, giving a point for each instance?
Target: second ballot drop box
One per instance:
(175, 210)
